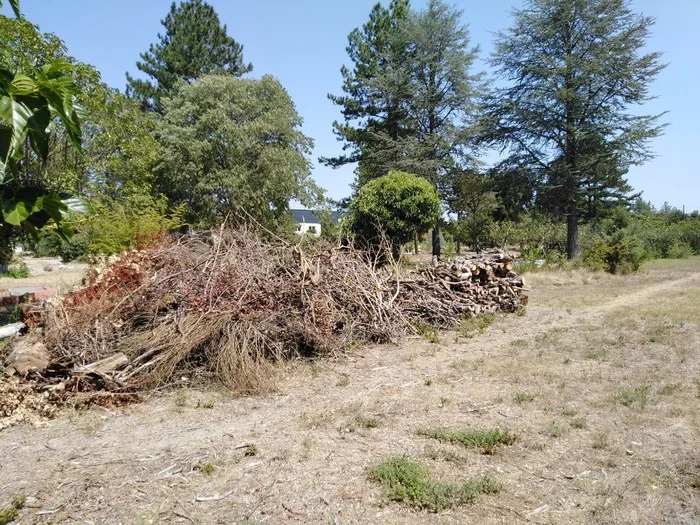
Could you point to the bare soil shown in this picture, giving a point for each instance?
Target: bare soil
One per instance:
(48, 272)
(598, 380)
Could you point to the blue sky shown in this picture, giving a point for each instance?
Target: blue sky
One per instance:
(303, 43)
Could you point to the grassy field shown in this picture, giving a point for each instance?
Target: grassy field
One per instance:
(586, 409)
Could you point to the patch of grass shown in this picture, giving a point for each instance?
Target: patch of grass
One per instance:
(428, 381)
(209, 404)
(557, 430)
(445, 401)
(601, 440)
(11, 513)
(597, 354)
(473, 325)
(409, 482)
(669, 389)
(429, 332)
(205, 468)
(344, 380)
(20, 271)
(579, 422)
(631, 396)
(697, 386)
(181, 399)
(486, 440)
(519, 342)
(9, 315)
(250, 450)
(367, 422)
(524, 397)
(569, 411)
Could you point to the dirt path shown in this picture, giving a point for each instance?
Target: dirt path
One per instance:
(557, 377)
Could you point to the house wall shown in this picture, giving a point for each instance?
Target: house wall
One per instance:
(312, 228)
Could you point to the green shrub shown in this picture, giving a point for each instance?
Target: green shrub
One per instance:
(679, 250)
(18, 271)
(409, 482)
(397, 205)
(486, 440)
(116, 228)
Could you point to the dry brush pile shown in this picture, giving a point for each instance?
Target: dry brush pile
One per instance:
(226, 305)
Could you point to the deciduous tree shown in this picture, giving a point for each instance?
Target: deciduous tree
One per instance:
(232, 144)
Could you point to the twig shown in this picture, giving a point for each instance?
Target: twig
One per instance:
(200, 499)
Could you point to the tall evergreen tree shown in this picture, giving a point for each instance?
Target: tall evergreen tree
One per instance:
(410, 95)
(377, 89)
(574, 69)
(443, 97)
(194, 44)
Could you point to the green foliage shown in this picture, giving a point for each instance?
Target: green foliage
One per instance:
(486, 440)
(11, 513)
(194, 44)
(373, 105)
(117, 227)
(477, 324)
(234, 144)
(409, 482)
(620, 252)
(474, 203)
(410, 96)
(35, 100)
(397, 205)
(574, 68)
(20, 271)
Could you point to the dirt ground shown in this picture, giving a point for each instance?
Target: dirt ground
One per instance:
(48, 272)
(599, 380)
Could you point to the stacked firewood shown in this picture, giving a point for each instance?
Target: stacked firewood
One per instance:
(444, 294)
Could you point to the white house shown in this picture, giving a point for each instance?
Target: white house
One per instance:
(308, 222)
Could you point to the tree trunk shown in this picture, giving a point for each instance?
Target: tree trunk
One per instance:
(396, 251)
(571, 235)
(415, 244)
(436, 240)
(6, 248)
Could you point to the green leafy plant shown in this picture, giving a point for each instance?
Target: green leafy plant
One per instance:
(11, 513)
(398, 205)
(409, 482)
(20, 271)
(486, 440)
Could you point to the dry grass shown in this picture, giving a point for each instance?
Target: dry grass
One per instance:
(609, 437)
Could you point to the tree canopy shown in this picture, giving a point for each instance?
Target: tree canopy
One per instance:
(194, 44)
(410, 97)
(398, 205)
(234, 144)
(573, 68)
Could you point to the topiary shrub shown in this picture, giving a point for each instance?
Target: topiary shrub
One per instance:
(398, 205)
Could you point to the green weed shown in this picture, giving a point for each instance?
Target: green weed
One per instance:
(409, 482)
(11, 513)
(669, 389)
(205, 468)
(486, 440)
(632, 396)
(473, 325)
(523, 397)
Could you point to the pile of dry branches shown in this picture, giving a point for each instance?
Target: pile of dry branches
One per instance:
(227, 305)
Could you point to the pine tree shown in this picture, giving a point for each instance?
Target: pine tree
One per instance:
(409, 97)
(376, 90)
(194, 44)
(574, 68)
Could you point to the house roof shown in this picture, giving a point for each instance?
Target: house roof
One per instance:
(309, 217)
